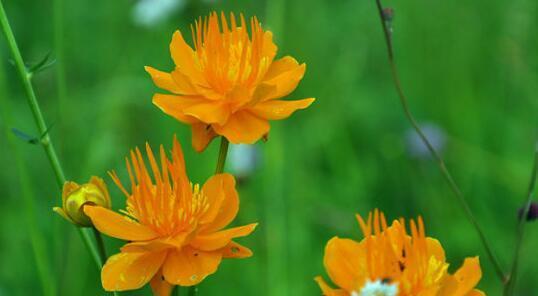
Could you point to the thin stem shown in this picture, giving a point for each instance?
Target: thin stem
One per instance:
(38, 116)
(37, 239)
(512, 276)
(100, 244)
(223, 152)
(193, 291)
(440, 162)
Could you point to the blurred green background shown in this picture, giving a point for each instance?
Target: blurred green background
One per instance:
(469, 68)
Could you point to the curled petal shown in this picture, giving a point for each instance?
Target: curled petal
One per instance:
(223, 202)
(163, 80)
(337, 254)
(279, 109)
(468, 275)
(328, 291)
(185, 58)
(159, 286)
(188, 266)
(220, 239)
(235, 250)
(175, 105)
(243, 127)
(202, 134)
(129, 271)
(285, 74)
(118, 226)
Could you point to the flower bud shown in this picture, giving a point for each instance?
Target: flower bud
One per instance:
(75, 197)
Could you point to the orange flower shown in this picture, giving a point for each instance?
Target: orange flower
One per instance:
(175, 228)
(229, 84)
(390, 262)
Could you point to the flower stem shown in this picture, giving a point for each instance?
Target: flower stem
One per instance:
(223, 152)
(440, 162)
(512, 276)
(46, 142)
(38, 242)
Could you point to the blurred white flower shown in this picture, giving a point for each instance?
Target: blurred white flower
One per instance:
(150, 12)
(243, 160)
(417, 148)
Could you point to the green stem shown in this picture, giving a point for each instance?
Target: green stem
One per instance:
(48, 282)
(37, 114)
(100, 244)
(193, 291)
(440, 162)
(512, 276)
(223, 152)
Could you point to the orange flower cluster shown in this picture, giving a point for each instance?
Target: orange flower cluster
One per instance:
(229, 84)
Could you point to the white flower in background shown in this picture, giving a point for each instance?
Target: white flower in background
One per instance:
(417, 148)
(377, 288)
(150, 12)
(243, 160)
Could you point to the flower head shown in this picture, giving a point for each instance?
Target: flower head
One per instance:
(175, 228)
(229, 84)
(75, 197)
(391, 261)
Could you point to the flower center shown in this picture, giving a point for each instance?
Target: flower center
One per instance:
(377, 288)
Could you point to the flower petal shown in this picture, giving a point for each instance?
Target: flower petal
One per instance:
(208, 112)
(220, 239)
(243, 128)
(129, 271)
(223, 202)
(185, 59)
(159, 286)
(174, 105)
(279, 109)
(468, 275)
(163, 80)
(336, 260)
(118, 226)
(156, 244)
(202, 134)
(235, 250)
(328, 291)
(285, 74)
(188, 266)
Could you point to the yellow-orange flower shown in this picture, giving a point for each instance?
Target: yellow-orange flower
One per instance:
(391, 262)
(230, 83)
(75, 197)
(175, 228)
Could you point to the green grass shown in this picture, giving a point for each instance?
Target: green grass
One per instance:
(468, 67)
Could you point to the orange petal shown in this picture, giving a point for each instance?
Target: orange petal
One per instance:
(68, 188)
(156, 244)
(337, 255)
(243, 128)
(328, 291)
(208, 112)
(175, 105)
(279, 109)
(223, 202)
(129, 271)
(436, 249)
(285, 74)
(118, 226)
(235, 250)
(220, 239)
(187, 267)
(202, 134)
(163, 80)
(159, 286)
(476, 293)
(468, 275)
(185, 58)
